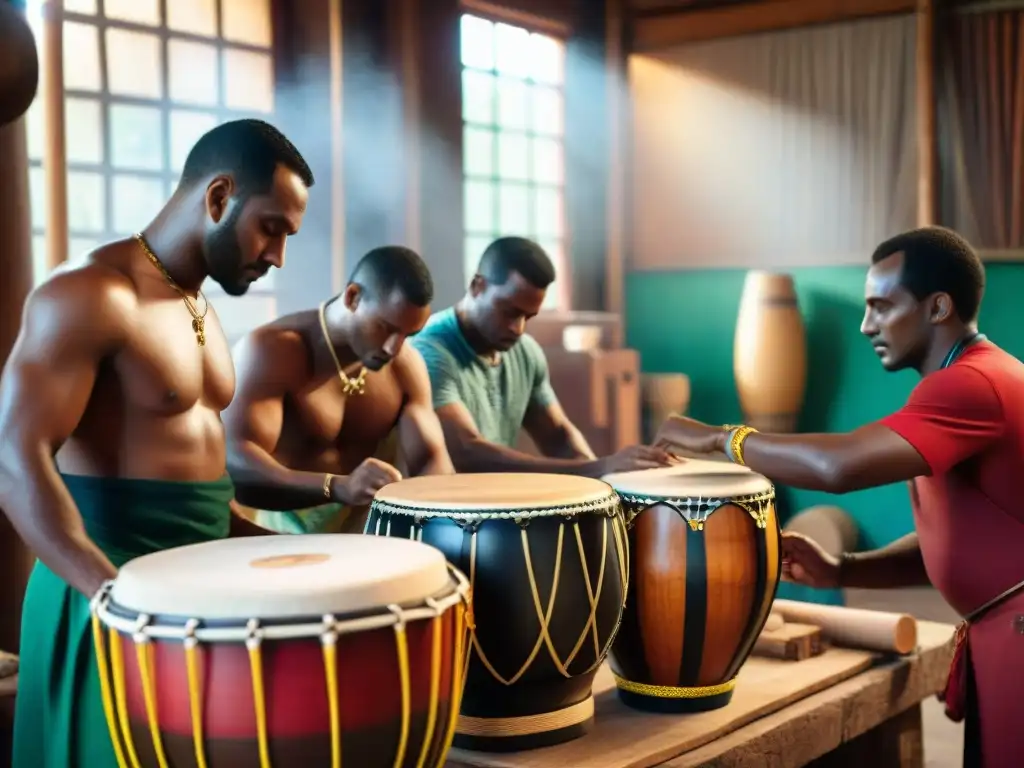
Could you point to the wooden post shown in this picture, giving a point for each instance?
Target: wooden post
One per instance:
(927, 151)
(618, 130)
(15, 282)
(337, 150)
(55, 159)
(404, 22)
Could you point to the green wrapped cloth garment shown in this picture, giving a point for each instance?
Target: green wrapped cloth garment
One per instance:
(59, 720)
(326, 518)
(331, 517)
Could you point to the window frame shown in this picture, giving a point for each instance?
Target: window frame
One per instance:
(167, 173)
(560, 298)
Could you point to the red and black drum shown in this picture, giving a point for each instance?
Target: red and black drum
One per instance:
(704, 555)
(545, 556)
(318, 650)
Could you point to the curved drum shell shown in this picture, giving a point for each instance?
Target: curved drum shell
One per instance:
(770, 352)
(295, 699)
(547, 596)
(700, 595)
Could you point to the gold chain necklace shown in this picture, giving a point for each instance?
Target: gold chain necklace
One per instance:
(198, 320)
(349, 386)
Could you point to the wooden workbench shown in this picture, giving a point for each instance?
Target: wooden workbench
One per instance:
(844, 707)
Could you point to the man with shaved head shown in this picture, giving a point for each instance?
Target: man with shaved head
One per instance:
(959, 442)
(328, 400)
(110, 410)
(490, 378)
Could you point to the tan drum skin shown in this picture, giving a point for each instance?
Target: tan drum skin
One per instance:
(284, 652)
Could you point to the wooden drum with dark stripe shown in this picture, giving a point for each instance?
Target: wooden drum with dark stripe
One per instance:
(704, 558)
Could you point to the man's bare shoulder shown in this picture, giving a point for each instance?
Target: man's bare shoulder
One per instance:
(410, 369)
(91, 296)
(273, 351)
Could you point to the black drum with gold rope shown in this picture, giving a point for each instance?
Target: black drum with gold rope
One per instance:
(546, 560)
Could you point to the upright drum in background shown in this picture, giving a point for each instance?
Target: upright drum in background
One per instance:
(545, 556)
(770, 352)
(284, 651)
(704, 555)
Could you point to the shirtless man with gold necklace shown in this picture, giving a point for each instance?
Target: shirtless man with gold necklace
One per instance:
(110, 410)
(329, 400)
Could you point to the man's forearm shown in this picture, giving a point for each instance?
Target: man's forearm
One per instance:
(569, 444)
(43, 513)
(438, 463)
(808, 461)
(896, 565)
(484, 456)
(868, 457)
(263, 482)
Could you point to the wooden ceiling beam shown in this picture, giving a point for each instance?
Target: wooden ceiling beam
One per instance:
(651, 33)
(659, 7)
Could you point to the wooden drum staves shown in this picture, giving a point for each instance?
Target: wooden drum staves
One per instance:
(704, 558)
(283, 652)
(545, 556)
(770, 353)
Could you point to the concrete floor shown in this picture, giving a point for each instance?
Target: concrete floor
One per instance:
(943, 739)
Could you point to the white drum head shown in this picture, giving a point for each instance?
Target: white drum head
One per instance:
(711, 480)
(281, 576)
(688, 467)
(493, 491)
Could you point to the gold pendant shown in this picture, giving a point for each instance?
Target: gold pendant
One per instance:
(354, 386)
(200, 330)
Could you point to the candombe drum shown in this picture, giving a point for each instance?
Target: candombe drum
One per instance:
(545, 556)
(770, 352)
(318, 650)
(704, 554)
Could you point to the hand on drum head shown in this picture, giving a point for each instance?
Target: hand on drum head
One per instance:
(804, 562)
(690, 435)
(637, 457)
(358, 489)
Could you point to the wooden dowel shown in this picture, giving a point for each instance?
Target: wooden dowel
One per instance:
(337, 149)
(55, 166)
(927, 150)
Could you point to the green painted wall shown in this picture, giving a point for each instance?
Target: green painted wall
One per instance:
(685, 321)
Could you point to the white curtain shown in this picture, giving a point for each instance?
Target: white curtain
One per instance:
(774, 150)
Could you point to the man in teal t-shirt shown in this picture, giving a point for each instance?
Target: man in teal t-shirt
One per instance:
(490, 379)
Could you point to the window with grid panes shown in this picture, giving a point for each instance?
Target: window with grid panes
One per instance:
(513, 140)
(143, 80)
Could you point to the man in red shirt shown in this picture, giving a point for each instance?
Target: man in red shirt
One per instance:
(959, 442)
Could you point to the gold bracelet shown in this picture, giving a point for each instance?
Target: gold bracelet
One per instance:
(327, 485)
(736, 443)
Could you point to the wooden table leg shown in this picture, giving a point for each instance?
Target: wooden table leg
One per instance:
(898, 742)
(8, 688)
